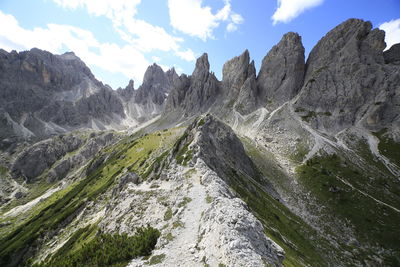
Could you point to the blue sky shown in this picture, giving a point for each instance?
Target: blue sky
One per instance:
(118, 39)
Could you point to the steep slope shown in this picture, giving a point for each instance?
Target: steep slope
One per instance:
(148, 100)
(282, 71)
(347, 81)
(194, 95)
(162, 179)
(327, 136)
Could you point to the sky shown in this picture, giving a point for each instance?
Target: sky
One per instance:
(119, 39)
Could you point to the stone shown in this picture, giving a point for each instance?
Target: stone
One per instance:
(345, 76)
(201, 93)
(392, 55)
(282, 71)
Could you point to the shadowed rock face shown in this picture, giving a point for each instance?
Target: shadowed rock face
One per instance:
(282, 71)
(148, 100)
(155, 85)
(43, 94)
(195, 94)
(239, 83)
(204, 87)
(179, 86)
(393, 54)
(347, 80)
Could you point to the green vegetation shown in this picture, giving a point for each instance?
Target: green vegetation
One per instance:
(106, 249)
(311, 114)
(184, 155)
(63, 206)
(388, 147)
(209, 199)
(181, 149)
(168, 214)
(3, 170)
(300, 242)
(190, 173)
(81, 236)
(184, 202)
(201, 122)
(299, 154)
(156, 259)
(328, 178)
(177, 224)
(169, 237)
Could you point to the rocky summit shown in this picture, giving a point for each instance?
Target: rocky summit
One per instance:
(297, 164)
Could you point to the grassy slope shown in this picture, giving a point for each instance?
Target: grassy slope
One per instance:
(302, 244)
(373, 223)
(327, 178)
(60, 207)
(388, 147)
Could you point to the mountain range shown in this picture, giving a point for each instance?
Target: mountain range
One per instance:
(297, 164)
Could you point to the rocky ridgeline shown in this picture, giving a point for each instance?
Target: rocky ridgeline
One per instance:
(210, 224)
(347, 79)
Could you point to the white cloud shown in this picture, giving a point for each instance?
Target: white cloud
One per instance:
(142, 35)
(289, 9)
(190, 17)
(231, 27)
(187, 55)
(55, 38)
(236, 20)
(392, 29)
(155, 59)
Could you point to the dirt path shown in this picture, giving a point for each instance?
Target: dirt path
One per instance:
(181, 250)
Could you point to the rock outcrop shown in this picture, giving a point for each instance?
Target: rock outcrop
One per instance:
(282, 71)
(392, 55)
(148, 100)
(36, 159)
(200, 95)
(347, 81)
(239, 84)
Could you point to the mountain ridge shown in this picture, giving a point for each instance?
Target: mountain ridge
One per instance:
(297, 165)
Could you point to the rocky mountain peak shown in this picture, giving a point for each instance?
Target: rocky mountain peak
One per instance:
(282, 71)
(350, 42)
(345, 75)
(130, 85)
(155, 77)
(154, 87)
(393, 54)
(234, 73)
(202, 67)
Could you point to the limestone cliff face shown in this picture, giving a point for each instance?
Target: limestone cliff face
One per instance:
(282, 71)
(347, 81)
(148, 100)
(195, 94)
(239, 84)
